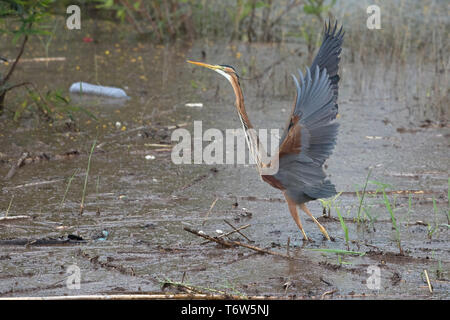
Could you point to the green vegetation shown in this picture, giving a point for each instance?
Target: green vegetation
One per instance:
(394, 221)
(343, 225)
(415, 38)
(166, 20)
(361, 198)
(409, 50)
(23, 19)
(69, 182)
(327, 204)
(87, 176)
(390, 208)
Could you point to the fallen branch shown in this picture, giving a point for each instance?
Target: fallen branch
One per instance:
(322, 297)
(230, 243)
(158, 145)
(235, 229)
(13, 218)
(42, 156)
(261, 250)
(229, 233)
(218, 240)
(33, 184)
(157, 296)
(18, 164)
(49, 59)
(190, 296)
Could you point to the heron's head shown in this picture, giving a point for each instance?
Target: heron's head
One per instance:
(225, 70)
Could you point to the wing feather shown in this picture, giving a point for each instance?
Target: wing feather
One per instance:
(310, 135)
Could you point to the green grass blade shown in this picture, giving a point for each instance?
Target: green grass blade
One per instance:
(87, 176)
(9, 206)
(69, 182)
(361, 200)
(343, 225)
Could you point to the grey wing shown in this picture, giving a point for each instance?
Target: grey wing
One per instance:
(327, 59)
(310, 139)
(328, 56)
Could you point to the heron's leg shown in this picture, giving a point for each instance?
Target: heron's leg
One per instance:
(294, 213)
(322, 229)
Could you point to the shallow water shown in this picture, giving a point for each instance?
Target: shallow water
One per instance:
(144, 204)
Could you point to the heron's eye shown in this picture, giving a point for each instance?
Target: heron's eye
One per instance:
(228, 66)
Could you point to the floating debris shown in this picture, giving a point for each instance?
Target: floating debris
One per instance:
(194, 105)
(102, 236)
(63, 228)
(74, 237)
(87, 88)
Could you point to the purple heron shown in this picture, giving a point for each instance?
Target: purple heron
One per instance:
(310, 134)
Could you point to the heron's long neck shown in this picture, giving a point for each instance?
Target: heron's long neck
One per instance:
(252, 138)
(240, 105)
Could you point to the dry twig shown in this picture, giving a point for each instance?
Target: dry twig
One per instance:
(231, 232)
(209, 211)
(235, 229)
(430, 287)
(229, 243)
(18, 164)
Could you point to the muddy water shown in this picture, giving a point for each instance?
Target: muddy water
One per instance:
(144, 204)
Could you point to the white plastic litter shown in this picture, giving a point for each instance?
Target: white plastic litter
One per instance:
(87, 88)
(194, 105)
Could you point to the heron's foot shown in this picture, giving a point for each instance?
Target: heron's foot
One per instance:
(324, 231)
(305, 237)
(293, 210)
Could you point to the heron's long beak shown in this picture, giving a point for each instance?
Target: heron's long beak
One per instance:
(201, 64)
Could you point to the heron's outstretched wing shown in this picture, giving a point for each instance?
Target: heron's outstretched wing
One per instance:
(312, 133)
(310, 139)
(327, 58)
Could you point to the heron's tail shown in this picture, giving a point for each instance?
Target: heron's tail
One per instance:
(324, 190)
